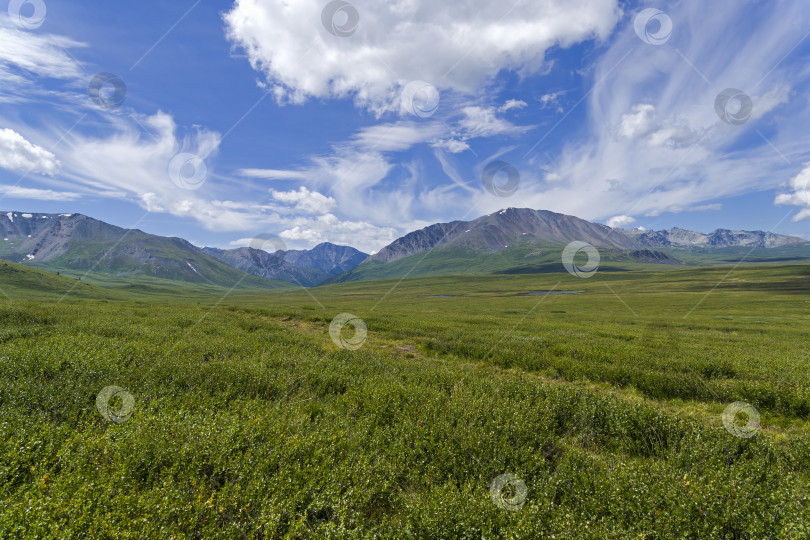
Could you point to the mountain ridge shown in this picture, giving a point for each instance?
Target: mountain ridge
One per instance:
(303, 267)
(509, 236)
(79, 242)
(500, 228)
(678, 237)
(506, 241)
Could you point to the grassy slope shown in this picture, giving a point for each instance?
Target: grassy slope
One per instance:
(239, 280)
(18, 281)
(533, 257)
(250, 423)
(23, 282)
(529, 257)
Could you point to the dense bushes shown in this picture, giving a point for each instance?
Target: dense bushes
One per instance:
(246, 427)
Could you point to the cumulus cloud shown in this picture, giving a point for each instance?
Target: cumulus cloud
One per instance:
(800, 196)
(454, 146)
(128, 157)
(19, 155)
(328, 228)
(304, 200)
(638, 123)
(620, 221)
(404, 40)
(307, 232)
(552, 100)
(644, 123)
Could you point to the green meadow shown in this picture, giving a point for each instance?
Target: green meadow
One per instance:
(604, 406)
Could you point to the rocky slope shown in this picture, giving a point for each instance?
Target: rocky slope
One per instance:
(267, 265)
(498, 231)
(326, 257)
(304, 267)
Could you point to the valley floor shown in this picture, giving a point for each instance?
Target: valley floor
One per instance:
(604, 409)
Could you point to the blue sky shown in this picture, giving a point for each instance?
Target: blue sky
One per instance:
(258, 116)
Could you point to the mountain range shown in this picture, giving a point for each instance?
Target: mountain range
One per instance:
(80, 243)
(677, 237)
(513, 240)
(522, 240)
(303, 267)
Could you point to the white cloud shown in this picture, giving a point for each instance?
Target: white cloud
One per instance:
(132, 165)
(19, 155)
(454, 146)
(705, 208)
(451, 170)
(127, 158)
(272, 174)
(328, 228)
(483, 122)
(513, 104)
(17, 192)
(652, 141)
(24, 54)
(638, 123)
(397, 136)
(552, 100)
(310, 202)
(800, 196)
(307, 232)
(620, 221)
(643, 123)
(455, 48)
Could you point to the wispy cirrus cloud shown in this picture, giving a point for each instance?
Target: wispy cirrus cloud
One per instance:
(29, 59)
(17, 192)
(654, 141)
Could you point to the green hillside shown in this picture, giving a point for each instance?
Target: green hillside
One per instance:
(75, 244)
(24, 282)
(18, 281)
(525, 257)
(231, 278)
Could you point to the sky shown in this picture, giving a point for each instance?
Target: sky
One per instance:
(355, 122)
